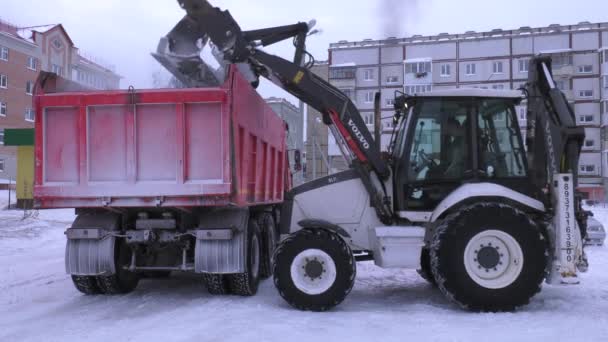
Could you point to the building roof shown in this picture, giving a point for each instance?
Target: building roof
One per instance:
(493, 34)
(473, 92)
(27, 33)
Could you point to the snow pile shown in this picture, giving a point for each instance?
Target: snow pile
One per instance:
(38, 303)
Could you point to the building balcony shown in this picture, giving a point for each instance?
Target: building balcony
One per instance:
(346, 71)
(563, 70)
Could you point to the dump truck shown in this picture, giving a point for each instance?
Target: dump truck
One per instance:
(163, 180)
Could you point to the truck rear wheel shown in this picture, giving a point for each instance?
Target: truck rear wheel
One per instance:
(314, 270)
(269, 237)
(216, 283)
(489, 257)
(246, 284)
(86, 284)
(123, 281)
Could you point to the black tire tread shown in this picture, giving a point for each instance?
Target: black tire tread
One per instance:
(242, 284)
(266, 222)
(425, 271)
(215, 284)
(86, 284)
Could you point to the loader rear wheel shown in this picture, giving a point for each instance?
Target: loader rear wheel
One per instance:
(86, 284)
(269, 238)
(489, 257)
(314, 270)
(216, 283)
(123, 281)
(425, 270)
(246, 284)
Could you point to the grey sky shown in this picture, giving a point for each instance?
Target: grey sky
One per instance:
(124, 32)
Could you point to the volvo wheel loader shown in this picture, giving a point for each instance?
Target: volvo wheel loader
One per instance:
(481, 211)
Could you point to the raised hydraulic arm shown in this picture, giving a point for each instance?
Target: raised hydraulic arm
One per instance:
(204, 23)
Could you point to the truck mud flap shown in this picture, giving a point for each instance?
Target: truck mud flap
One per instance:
(90, 256)
(220, 242)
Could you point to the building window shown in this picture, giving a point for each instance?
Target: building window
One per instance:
(497, 68)
(498, 86)
(418, 68)
(2, 108)
(524, 64)
(3, 53)
(57, 43)
(1, 165)
(445, 70)
(604, 56)
(29, 87)
(334, 73)
(585, 69)
(392, 79)
(418, 89)
(587, 168)
(3, 81)
(561, 60)
(562, 84)
(390, 102)
(29, 115)
(522, 113)
(369, 119)
(368, 74)
(605, 81)
(1, 136)
(585, 93)
(32, 63)
(470, 68)
(57, 69)
(589, 143)
(348, 92)
(585, 118)
(369, 97)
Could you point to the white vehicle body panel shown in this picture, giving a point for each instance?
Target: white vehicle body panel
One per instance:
(468, 191)
(340, 199)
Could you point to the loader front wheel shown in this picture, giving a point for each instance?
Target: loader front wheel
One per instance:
(489, 257)
(314, 270)
(425, 270)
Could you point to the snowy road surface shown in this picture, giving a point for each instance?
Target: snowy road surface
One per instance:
(38, 303)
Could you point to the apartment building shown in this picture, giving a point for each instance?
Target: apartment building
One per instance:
(294, 117)
(24, 52)
(317, 135)
(496, 59)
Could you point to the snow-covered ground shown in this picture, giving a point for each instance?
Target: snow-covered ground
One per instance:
(38, 303)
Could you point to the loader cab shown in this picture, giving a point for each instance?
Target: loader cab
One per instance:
(456, 137)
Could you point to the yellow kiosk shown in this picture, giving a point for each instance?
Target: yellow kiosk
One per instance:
(24, 140)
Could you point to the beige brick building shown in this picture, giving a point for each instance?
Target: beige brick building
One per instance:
(24, 52)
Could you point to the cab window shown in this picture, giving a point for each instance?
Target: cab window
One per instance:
(500, 150)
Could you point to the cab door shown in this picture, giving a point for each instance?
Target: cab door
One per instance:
(436, 157)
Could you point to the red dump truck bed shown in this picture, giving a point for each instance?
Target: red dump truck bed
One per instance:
(171, 148)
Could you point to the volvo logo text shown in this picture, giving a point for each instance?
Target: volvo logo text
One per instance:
(358, 134)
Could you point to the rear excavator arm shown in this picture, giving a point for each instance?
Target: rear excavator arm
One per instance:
(554, 140)
(180, 54)
(554, 148)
